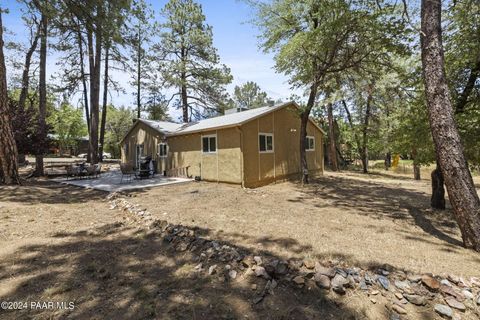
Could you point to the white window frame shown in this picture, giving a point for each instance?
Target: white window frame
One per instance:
(216, 143)
(307, 147)
(266, 135)
(159, 150)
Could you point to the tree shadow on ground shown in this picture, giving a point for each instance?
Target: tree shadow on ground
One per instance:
(37, 191)
(382, 201)
(125, 272)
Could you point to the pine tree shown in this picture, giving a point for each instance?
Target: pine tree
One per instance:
(249, 95)
(191, 63)
(8, 148)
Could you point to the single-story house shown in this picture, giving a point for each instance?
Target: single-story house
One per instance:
(252, 148)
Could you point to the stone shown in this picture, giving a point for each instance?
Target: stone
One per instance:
(329, 272)
(351, 281)
(295, 265)
(339, 289)
(398, 295)
(450, 291)
(271, 284)
(383, 272)
(430, 282)
(453, 278)
(368, 279)
(384, 282)
(373, 301)
(452, 302)
(232, 274)
(212, 269)
(363, 285)
(475, 281)
(478, 300)
(199, 266)
(402, 285)
(281, 268)
(463, 283)
(309, 264)
(341, 272)
(258, 260)
(261, 272)
(414, 278)
(248, 261)
(443, 310)
(456, 316)
(322, 281)
(399, 309)
(445, 282)
(299, 280)
(394, 316)
(253, 286)
(374, 292)
(339, 281)
(310, 284)
(416, 299)
(467, 294)
(258, 299)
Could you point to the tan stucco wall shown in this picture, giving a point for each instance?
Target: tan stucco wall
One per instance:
(223, 166)
(284, 162)
(237, 158)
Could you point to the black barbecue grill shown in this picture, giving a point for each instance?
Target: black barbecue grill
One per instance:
(146, 167)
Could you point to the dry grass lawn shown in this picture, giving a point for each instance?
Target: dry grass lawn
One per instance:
(362, 220)
(62, 243)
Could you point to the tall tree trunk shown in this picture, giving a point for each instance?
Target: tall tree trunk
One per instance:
(183, 88)
(26, 70)
(105, 100)
(416, 166)
(84, 78)
(364, 151)
(438, 191)
(95, 68)
(350, 122)
(458, 180)
(139, 73)
(184, 103)
(304, 116)
(8, 147)
(42, 105)
(331, 138)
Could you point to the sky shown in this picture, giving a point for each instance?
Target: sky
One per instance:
(234, 37)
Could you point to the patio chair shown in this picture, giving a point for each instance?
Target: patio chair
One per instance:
(127, 170)
(72, 171)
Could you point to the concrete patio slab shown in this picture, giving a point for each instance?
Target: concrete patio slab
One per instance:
(110, 181)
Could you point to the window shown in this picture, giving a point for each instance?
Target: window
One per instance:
(309, 143)
(125, 148)
(265, 142)
(209, 144)
(162, 150)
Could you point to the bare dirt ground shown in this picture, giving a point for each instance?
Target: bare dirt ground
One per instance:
(62, 243)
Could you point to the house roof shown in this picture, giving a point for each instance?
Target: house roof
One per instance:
(220, 122)
(162, 126)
